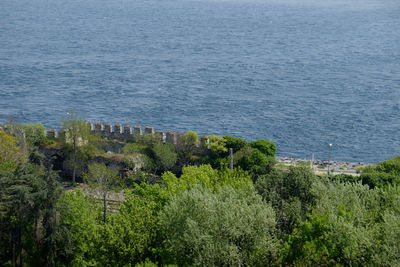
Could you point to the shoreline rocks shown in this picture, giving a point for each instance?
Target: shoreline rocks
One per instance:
(321, 166)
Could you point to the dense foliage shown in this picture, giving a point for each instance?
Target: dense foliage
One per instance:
(181, 206)
(228, 227)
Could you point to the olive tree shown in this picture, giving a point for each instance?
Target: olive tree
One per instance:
(224, 228)
(290, 194)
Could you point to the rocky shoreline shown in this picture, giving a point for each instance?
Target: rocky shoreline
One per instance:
(322, 166)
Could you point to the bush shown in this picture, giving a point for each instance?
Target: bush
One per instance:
(147, 139)
(134, 148)
(147, 164)
(389, 166)
(346, 178)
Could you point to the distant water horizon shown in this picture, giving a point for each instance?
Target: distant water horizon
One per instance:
(302, 73)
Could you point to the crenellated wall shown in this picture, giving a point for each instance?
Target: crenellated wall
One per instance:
(124, 133)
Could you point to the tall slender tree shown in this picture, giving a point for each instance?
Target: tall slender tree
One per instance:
(77, 133)
(103, 178)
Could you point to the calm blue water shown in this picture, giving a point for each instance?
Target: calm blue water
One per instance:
(301, 73)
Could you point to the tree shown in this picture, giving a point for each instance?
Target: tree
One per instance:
(343, 228)
(206, 176)
(103, 178)
(77, 134)
(164, 156)
(290, 194)
(129, 234)
(186, 146)
(225, 228)
(30, 231)
(34, 133)
(81, 214)
(266, 147)
(382, 174)
(218, 146)
(10, 153)
(235, 143)
(216, 152)
(254, 161)
(54, 245)
(19, 208)
(387, 249)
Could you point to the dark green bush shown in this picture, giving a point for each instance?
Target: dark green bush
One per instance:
(290, 194)
(235, 143)
(266, 147)
(253, 160)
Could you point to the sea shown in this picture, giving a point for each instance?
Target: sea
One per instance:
(302, 73)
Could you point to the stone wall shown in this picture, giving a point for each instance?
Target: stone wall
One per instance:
(124, 133)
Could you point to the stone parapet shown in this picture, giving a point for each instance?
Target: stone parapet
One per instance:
(171, 138)
(118, 128)
(124, 132)
(149, 130)
(52, 133)
(137, 130)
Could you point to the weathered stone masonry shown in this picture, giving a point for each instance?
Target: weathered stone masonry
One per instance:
(125, 133)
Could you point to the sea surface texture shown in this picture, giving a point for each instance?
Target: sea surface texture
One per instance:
(301, 73)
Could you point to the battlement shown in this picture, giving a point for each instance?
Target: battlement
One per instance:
(124, 132)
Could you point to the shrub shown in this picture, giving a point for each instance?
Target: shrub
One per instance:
(134, 148)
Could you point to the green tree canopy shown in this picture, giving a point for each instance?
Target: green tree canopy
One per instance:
(225, 228)
(290, 194)
(186, 146)
(77, 135)
(346, 228)
(207, 176)
(253, 160)
(382, 174)
(164, 156)
(235, 143)
(266, 147)
(129, 236)
(28, 210)
(82, 216)
(102, 178)
(10, 152)
(35, 134)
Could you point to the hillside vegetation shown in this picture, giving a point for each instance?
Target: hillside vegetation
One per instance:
(182, 205)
